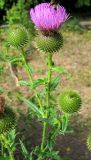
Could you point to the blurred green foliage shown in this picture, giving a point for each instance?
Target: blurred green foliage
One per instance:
(28, 3)
(2, 4)
(6, 4)
(18, 13)
(81, 3)
(72, 25)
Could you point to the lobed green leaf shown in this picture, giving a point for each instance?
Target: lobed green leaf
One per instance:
(59, 69)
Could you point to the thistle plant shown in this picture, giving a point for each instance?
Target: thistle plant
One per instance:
(51, 111)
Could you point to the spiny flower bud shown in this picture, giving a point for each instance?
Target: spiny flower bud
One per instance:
(7, 120)
(70, 101)
(17, 36)
(89, 142)
(49, 43)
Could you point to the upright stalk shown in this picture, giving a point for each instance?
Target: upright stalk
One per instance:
(30, 77)
(48, 95)
(49, 61)
(11, 155)
(49, 79)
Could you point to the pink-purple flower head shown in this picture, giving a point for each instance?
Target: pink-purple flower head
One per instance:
(47, 18)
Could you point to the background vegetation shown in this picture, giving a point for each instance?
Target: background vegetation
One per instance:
(13, 11)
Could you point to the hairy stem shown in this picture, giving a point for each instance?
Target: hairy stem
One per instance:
(30, 78)
(10, 154)
(49, 79)
(48, 104)
(48, 99)
(43, 136)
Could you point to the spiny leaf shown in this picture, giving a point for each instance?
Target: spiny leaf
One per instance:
(39, 82)
(59, 69)
(24, 150)
(28, 156)
(25, 83)
(34, 108)
(14, 59)
(54, 83)
(35, 83)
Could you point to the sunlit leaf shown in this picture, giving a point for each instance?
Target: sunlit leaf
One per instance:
(59, 69)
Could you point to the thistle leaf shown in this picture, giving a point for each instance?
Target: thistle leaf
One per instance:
(59, 69)
(24, 150)
(54, 83)
(36, 83)
(34, 108)
(25, 83)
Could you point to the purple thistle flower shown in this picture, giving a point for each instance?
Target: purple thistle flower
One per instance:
(47, 18)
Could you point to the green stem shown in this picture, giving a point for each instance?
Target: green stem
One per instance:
(30, 78)
(48, 104)
(48, 99)
(44, 135)
(43, 139)
(10, 154)
(49, 79)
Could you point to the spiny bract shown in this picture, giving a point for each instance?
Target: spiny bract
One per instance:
(89, 142)
(7, 120)
(70, 101)
(17, 36)
(49, 43)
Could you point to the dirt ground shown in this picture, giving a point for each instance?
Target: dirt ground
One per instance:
(75, 56)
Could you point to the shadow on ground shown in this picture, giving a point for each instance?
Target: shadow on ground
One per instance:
(72, 146)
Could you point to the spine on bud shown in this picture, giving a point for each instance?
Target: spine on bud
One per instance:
(7, 120)
(49, 43)
(17, 36)
(89, 142)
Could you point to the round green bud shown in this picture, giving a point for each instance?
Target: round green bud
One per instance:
(70, 101)
(89, 142)
(17, 36)
(7, 120)
(49, 43)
